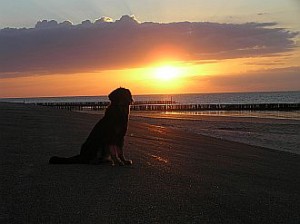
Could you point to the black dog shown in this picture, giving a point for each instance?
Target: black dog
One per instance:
(107, 137)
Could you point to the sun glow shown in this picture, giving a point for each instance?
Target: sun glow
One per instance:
(166, 73)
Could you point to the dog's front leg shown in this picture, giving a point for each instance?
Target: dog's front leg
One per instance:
(122, 157)
(114, 155)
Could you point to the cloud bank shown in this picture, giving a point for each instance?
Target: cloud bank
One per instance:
(278, 79)
(52, 47)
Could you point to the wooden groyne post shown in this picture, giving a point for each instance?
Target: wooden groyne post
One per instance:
(172, 106)
(217, 107)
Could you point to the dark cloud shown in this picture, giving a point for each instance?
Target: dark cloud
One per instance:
(53, 47)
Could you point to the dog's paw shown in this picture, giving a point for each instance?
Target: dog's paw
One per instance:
(119, 163)
(127, 162)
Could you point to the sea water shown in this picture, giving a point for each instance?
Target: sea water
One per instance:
(197, 98)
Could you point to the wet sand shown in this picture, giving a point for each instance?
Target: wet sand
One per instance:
(279, 134)
(177, 176)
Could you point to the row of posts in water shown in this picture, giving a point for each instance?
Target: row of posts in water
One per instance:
(173, 106)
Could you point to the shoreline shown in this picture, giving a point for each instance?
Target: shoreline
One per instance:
(196, 115)
(277, 134)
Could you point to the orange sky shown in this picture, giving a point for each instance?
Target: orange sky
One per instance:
(189, 78)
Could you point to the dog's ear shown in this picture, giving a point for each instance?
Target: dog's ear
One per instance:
(113, 96)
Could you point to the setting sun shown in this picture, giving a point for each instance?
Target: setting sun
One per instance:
(166, 73)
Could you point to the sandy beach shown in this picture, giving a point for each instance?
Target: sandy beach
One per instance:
(178, 176)
(257, 129)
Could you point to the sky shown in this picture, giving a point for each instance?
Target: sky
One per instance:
(72, 47)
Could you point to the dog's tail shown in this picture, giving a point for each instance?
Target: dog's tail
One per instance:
(71, 160)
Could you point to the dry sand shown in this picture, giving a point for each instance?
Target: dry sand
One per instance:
(177, 176)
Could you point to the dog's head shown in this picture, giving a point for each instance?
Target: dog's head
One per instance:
(121, 96)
